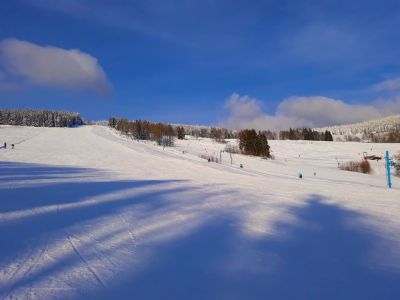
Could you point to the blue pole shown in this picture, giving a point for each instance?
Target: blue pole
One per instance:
(389, 179)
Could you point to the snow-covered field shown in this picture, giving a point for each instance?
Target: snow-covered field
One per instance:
(87, 214)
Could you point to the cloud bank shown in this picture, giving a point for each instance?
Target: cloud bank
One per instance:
(317, 111)
(52, 66)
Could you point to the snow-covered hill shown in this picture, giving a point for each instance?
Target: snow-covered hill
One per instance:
(383, 125)
(88, 214)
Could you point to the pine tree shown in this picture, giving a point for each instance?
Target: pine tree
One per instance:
(252, 143)
(328, 136)
(181, 133)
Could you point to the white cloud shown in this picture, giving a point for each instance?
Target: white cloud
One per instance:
(321, 111)
(389, 106)
(246, 112)
(243, 106)
(388, 85)
(52, 66)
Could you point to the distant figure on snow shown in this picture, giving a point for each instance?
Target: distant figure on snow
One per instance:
(300, 175)
(315, 173)
(5, 145)
(12, 146)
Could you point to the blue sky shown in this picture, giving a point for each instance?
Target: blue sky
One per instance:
(241, 63)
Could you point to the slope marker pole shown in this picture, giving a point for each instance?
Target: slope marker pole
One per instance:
(389, 179)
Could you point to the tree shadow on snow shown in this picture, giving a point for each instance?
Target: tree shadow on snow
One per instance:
(40, 203)
(322, 255)
(319, 257)
(64, 186)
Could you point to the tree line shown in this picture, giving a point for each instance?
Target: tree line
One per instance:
(389, 137)
(163, 134)
(250, 142)
(305, 134)
(219, 134)
(39, 118)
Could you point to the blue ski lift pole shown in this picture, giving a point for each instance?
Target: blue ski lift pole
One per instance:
(389, 179)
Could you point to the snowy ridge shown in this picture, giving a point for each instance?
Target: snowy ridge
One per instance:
(383, 125)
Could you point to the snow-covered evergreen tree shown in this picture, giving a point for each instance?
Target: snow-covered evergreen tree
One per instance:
(383, 125)
(39, 118)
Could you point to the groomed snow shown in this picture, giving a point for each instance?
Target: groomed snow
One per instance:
(88, 214)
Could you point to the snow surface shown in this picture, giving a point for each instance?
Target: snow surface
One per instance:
(88, 214)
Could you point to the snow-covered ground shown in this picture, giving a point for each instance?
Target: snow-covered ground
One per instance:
(87, 214)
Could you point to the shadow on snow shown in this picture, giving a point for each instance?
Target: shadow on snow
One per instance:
(320, 256)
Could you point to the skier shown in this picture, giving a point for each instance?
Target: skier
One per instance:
(5, 145)
(300, 175)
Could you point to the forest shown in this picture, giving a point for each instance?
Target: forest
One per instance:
(39, 118)
(305, 134)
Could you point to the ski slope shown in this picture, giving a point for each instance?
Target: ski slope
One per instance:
(88, 214)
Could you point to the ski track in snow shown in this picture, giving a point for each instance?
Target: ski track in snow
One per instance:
(87, 213)
(26, 266)
(130, 233)
(91, 269)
